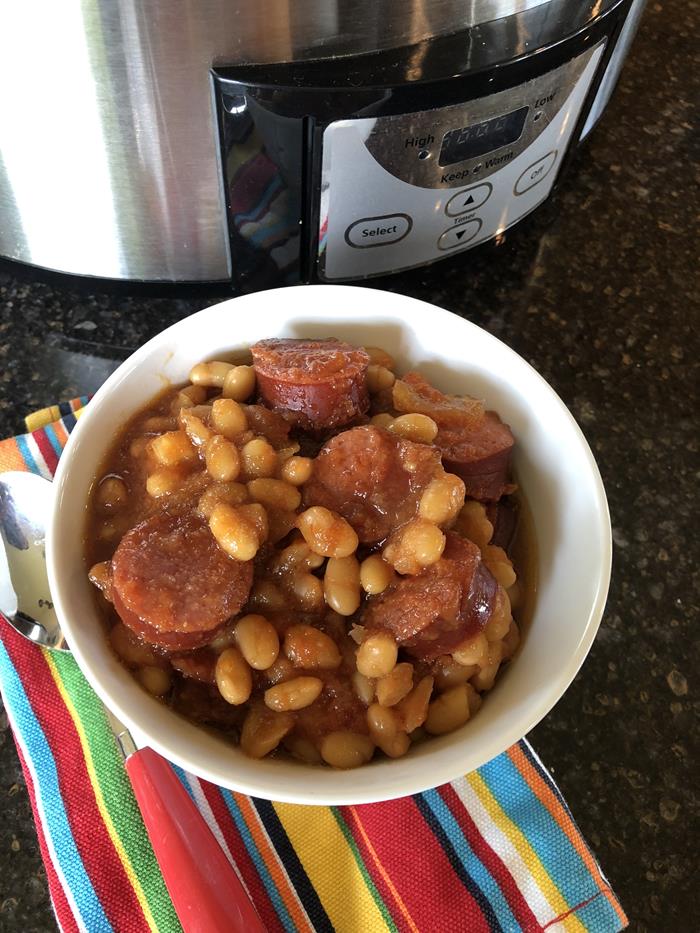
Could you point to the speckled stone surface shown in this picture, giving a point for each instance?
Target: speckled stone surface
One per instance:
(598, 290)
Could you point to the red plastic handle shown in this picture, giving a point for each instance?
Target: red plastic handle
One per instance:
(206, 892)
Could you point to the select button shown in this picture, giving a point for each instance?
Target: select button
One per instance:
(378, 231)
(468, 200)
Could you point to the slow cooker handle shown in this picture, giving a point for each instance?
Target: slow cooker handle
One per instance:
(206, 892)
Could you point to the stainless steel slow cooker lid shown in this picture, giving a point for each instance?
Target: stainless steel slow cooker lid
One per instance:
(108, 139)
(285, 31)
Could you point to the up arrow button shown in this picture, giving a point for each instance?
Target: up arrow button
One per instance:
(468, 200)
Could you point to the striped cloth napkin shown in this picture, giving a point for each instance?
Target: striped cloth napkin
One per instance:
(496, 850)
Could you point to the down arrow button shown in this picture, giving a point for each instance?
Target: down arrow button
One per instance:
(459, 236)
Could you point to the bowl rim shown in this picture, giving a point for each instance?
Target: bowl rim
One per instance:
(398, 786)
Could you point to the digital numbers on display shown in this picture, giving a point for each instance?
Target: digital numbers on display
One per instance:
(479, 138)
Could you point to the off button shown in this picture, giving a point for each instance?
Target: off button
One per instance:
(535, 173)
(378, 231)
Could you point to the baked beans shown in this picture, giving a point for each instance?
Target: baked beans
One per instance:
(379, 378)
(236, 530)
(297, 470)
(172, 448)
(346, 749)
(258, 458)
(258, 641)
(156, 680)
(195, 427)
(222, 459)
(230, 493)
(375, 574)
(111, 494)
(163, 482)
(274, 493)
(416, 546)
(210, 374)
(472, 651)
(308, 591)
(414, 708)
(377, 655)
(263, 730)
(414, 427)
(239, 383)
(394, 686)
(379, 357)
(364, 687)
(188, 398)
(448, 711)
(327, 533)
(293, 694)
(301, 499)
(228, 418)
(442, 499)
(233, 676)
(308, 647)
(341, 584)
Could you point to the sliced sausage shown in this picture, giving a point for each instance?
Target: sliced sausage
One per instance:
(167, 641)
(503, 516)
(481, 457)
(475, 444)
(430, 613)
(317, 384)
(372, 478)
(170, 574)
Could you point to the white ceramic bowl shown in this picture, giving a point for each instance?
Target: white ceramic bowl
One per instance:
(554, 466)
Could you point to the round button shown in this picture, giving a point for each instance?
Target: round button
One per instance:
(535, 173)
(468, 200)
(378, 231)
(458, 236)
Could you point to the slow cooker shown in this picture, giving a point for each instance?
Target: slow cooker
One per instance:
(266, 142)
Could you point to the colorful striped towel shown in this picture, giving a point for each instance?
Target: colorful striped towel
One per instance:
(496, 850)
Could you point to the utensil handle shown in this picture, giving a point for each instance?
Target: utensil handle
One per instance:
(207, 895)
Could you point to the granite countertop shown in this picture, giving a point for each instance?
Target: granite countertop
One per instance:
(598, 290)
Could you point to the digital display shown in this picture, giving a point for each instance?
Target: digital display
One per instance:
(479, 138)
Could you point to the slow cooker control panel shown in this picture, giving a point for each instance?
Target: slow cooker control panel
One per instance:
(401, 191)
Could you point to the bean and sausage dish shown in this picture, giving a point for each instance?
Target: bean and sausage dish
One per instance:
(309, 553)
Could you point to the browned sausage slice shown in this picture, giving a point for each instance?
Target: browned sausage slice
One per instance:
(475, 444)
(372, 478)
(167, 641)
(430, 613)
(170, 574)
(480, 457)
(317, 384)
(503, 516)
